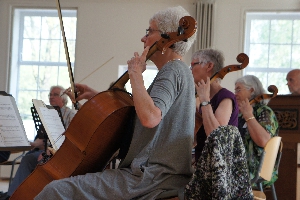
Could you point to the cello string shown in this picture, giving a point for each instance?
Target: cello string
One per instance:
(57, 139)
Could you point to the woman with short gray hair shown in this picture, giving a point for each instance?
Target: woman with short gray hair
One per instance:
(257, 122)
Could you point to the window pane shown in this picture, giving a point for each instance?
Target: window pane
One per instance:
(49, 50)
(296, 33)
(25, 103)
(47, 77)
(50, 28)
(31, 49)
(32, 27)
(28, 77)
(296, 57)
(63, 76)
(258, 56)
(281, 31)
(260, 31)
(280, 56)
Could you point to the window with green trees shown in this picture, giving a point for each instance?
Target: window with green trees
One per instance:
(38, 58)
(272, 42)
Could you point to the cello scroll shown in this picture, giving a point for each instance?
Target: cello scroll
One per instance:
(241, 58)
(272, 88)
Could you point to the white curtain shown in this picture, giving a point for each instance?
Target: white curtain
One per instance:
(204, 17)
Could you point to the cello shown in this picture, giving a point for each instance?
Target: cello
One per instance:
(241, 58)
(96, 131)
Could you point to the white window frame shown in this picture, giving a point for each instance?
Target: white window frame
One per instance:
(16, 56)
(268, 16)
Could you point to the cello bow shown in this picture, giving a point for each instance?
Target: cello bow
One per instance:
(75, 103)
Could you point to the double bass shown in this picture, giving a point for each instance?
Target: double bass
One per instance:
(96, 131)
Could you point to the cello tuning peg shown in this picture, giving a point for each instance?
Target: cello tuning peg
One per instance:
(165, 36)
(180, 30)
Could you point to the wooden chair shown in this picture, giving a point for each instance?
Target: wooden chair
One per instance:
(269, 160)
(15, 161)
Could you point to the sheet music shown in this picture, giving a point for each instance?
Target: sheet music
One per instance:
(12, 131)
(53, 126)
(51, 122)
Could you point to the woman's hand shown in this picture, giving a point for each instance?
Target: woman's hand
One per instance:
(84, 91)
(245, 108)
(137, 64)
(148, 114)
(203, 90)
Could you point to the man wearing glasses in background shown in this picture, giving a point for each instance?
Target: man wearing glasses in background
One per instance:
(30, 160)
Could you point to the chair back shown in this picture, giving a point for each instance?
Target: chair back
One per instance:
(271, 151)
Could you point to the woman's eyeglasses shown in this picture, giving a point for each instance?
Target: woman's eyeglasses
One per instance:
(149, 31)
(195, 63)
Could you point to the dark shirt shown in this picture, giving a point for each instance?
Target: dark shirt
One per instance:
(215, 101)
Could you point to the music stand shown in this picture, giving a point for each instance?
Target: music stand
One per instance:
(39, 125)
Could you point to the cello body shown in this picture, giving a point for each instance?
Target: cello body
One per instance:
(93, 136)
